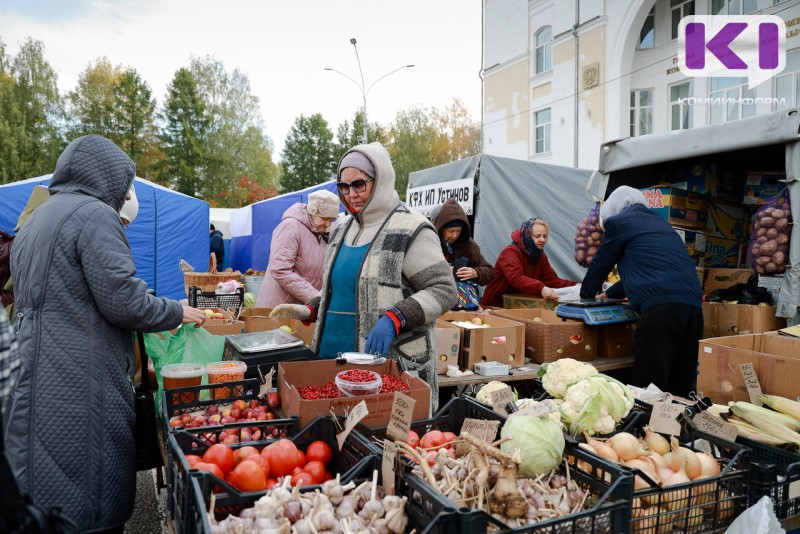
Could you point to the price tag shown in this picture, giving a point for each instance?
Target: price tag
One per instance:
(664, 418)
(794, 490)
(387, 465)
(752, 383)
(358, 413)
(400, 418)
(481, 428)
(266, 383)
(538, 410)
(500, 398)
(715, 426)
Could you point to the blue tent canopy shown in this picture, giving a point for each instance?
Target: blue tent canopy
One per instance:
(252, 226)
(170, 226)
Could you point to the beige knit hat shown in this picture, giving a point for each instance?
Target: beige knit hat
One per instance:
(323, 203)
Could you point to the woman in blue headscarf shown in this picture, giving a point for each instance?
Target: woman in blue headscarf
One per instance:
(523, 267)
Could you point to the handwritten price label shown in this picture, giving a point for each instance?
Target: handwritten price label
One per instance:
(752, 383)
(500, 398)
(664, 418)
(538, 410)
(481, 428)
(387, 465)
(358, 413)
(715, 426)
(400, 418)
(266, 383)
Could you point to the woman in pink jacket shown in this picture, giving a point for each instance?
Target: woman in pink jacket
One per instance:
(297, 252)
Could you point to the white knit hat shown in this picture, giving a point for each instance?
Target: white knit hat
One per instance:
(130, 209)
(323, 203)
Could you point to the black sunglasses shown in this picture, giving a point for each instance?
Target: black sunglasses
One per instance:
(359, 186)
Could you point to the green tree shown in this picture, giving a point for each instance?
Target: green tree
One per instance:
(414, 134)
(12, 126)
(459, 135)
(92, 102)
(307, 158)
(235, 144)
(184, 133)
(133, 120)
(41, 107)
(348, 132)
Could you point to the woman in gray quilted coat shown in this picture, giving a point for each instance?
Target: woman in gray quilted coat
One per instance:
(69, 436)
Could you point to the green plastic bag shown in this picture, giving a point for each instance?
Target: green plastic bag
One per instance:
(187, 345)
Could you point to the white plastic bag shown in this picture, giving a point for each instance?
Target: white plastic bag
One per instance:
(758, 519)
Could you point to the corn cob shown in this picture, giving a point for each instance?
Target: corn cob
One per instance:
(765, 422)
(782, 405)
(750, 432)
(789, 422)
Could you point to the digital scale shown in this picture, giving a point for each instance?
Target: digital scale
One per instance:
(597, 312)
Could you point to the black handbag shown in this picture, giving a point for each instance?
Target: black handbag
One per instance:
(18, 513)
(145, 432)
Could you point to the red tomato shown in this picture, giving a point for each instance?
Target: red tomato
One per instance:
(282, 457)
(432, 439)
(303, 479)
(249, 476)
(193, 459)
(271, 483)
(301, 462)
(211, 468)
(222, 455)
(449, 438)
(430, 457)
(412, 439)
(296, 471)
(319, 451)
(316, 469)
(260, 461)
(243, 453)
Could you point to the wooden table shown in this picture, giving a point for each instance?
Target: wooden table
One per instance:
(601, 364)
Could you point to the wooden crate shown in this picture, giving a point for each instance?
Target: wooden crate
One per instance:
(476, 343)
(550, 337)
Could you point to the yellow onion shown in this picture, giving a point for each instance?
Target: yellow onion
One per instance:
(709, 466)
(626, 446)
(655, 441)
(602, 449)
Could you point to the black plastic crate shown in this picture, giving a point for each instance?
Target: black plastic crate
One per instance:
(347, 461)
(772, 472)
(706, 505)
(177, 401)
(424, 513)
(210, 299)
(610, 514)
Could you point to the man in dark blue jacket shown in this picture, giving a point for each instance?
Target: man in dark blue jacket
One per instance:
(660, 281)
(217, 246)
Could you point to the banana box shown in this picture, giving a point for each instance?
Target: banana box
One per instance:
(721, 252)
(726, 221)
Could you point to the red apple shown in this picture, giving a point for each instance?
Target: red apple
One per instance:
(239, 404)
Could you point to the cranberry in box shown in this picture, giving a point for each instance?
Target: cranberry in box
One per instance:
(292, 376)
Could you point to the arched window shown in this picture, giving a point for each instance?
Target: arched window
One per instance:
(544, 50)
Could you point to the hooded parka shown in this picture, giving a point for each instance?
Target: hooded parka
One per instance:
(69, 436)
(296, 254)
(403, 270)
(464, 246)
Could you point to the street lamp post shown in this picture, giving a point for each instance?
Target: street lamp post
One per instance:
(362, 86)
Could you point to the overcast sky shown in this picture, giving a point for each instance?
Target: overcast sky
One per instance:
(281, 45)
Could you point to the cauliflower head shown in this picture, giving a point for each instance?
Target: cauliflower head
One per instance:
(595, 405)
(485, 393)
(561, 374)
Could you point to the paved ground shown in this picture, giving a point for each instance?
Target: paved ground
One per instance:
(149, 514)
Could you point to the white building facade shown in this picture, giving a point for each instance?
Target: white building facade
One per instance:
(561, 77)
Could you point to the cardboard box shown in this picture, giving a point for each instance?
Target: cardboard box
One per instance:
(521, 301)
(549, 337)
(476, 343)
(726, 221)
(775, 359)
(722, 252)
(257, 320)
(292, 375)
(694, 240)
(615, 340)
(698, 178)
(678, 206)
(718, 278)
(223, 327)
(701, 275)
(761, 185)
(448, 344)
(723, 319)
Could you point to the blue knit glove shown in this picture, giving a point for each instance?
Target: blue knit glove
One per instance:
(380, 337)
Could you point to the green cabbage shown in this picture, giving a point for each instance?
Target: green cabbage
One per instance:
(249, 300)
(539, 440)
